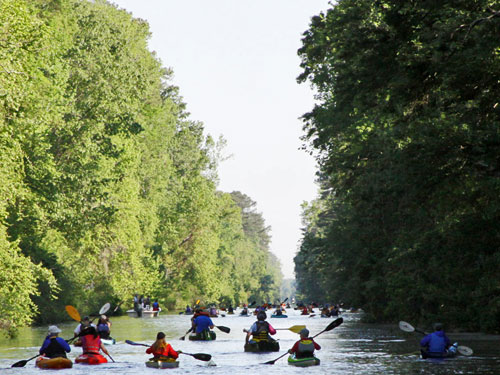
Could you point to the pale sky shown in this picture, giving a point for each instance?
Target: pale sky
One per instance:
(236, 63)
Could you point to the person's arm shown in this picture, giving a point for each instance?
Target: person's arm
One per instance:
(272, 331)
(211, 324)
(425, 341)
(64, 344)
(295, 348)
(149, 350)
(45, 344)
(316, 345)
(447, 341)
(103, 348)
(171, 352)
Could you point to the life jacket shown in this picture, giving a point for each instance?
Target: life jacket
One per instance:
(262, 333)
(306, 348)
(54, 349)
(437, 343)
(91, 344)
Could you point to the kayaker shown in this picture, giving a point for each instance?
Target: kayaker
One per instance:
(435, 344)
(202, 324)
(304, 348)
(54, 346)
(244, 311)
(161, 349)
(188, 310)
(156, 305)
(91, 342)
(260, 330)
(104, 327)
(230, 309)
(85, 323)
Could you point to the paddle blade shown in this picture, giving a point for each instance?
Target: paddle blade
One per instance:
(297, 329)
(20, 363)
(202, 356)
(135, 343)
(407, 327)
(104, 309)
(334, 324)
(224, 329)
(73, 313)
(465, 350)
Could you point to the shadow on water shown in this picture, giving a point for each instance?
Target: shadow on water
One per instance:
(352, 348)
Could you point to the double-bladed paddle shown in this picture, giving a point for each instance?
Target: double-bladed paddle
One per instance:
(407, 327)
(295, 329)
(330, 326)
(200, 356)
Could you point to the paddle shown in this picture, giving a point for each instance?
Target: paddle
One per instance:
(199, 356)
(224, 329)
(73, 313)
(184, 337)
(407, 327)
(295, 329)
(23, 362)
(330, 326)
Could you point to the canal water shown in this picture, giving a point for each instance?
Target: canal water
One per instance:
(352, 348)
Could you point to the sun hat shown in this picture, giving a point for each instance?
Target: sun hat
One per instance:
(54, 329)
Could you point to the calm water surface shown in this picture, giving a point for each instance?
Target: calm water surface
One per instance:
(352, 348)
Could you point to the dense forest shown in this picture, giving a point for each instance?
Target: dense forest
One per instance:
(108, 188)
(406, 132)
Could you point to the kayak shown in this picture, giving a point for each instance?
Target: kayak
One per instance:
(196, 337)
(427, 355)
(91, 359)
(53, 363)
(303, 362)
(110, 341)
(262, 346)
(279, 316)
(162, 364)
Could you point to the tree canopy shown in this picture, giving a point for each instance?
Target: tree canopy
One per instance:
(406, 134)
(108, 187)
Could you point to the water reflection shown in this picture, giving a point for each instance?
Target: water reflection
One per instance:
(352, 348)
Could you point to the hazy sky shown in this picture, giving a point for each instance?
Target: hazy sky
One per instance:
(236, 63)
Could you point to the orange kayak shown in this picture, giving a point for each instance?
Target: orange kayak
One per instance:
(53, 363)
(91, 359)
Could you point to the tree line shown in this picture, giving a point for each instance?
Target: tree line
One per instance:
(108, 188)
(406, 134)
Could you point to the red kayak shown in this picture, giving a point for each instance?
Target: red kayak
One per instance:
(91, 359)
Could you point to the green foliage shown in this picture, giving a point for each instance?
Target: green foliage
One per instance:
(406, 130)
(105, 180)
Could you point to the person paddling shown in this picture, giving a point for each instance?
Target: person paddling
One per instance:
(85, 323)
(304, 348)
(91, 342)
(162, 350)
(103, 327)
(54, 346)
(260, 330)
(202, 324)
(435, 344)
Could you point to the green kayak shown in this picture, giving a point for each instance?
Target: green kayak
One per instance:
(303, 362)
(200, 337)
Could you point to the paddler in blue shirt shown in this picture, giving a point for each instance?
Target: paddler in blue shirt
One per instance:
(435, 344)
(54, 346)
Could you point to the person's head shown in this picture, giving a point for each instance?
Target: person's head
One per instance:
(160, 342)
(86, 321)
(90, 330)
(261, 316)
(304, 333)
(54, 330)
(437, 326)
